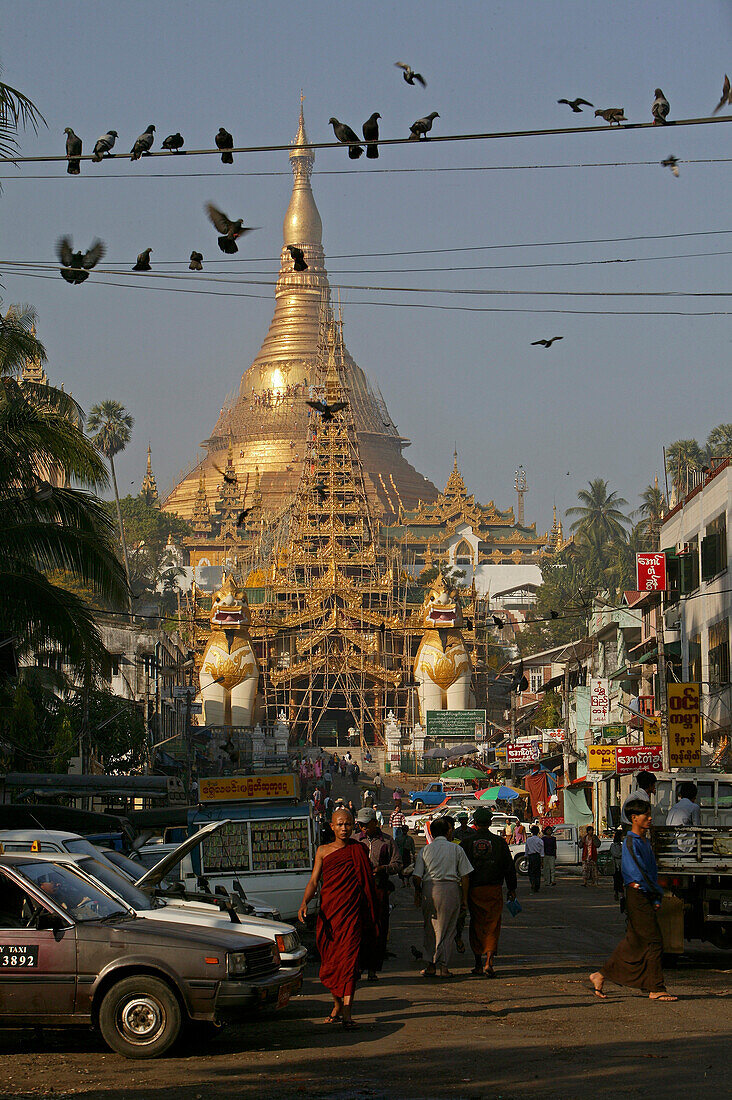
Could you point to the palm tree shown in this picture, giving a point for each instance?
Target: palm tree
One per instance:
(16, 110)
(109, 426)
(682, 456)
(55, 536)
(719, 442)
(600, 519)
(652, 510)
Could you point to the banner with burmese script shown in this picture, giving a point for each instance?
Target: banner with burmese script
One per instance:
(684, 725)
(246, 788)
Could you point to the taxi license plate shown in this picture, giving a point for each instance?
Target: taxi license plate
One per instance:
(286, 992)
(19, 956)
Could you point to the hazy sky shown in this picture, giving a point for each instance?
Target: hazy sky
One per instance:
(599, 403)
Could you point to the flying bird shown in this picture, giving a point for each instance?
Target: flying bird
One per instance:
(73, 152)
(612, 114)
(230, 479)
(77, 265)
(104, 144)
(410, 76)
(143, 261)
(671, 162)
(230, 230)
(660, 108)
(726, 98)
(417, 954)
(173, 143)
(298, 257)
(242, 516)
(422, 127)
(370, 130)
(143, 144)
(327, 411)
(348, 137)
(576, 104)
(546, 343)
(196, 263)
(224, 142)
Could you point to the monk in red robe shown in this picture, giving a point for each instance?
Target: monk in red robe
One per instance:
(347, 921)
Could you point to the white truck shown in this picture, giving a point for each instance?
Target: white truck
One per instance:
(569, 849)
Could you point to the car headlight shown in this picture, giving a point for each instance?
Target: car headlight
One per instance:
(236, 963)
(287, 943)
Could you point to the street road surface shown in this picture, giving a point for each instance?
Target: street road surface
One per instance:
(537, 1031)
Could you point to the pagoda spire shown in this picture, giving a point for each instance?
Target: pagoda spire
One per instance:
(33, 367)
(228, 504)
(149, 488)
(201, 514)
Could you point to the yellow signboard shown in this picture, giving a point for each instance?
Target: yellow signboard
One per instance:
(684, 725)
(601, 758)
(245, 788)
(652, 731)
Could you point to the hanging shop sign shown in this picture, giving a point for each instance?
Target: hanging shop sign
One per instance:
(635, 758)
(684, 725)
(650, 572)
(599, 701)
(601, 758)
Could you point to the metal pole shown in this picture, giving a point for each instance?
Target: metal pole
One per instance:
(187, 735)
(662, 693)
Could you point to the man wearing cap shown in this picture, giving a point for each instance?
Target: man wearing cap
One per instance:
(492, 866)
(385, 860)
(462, 830)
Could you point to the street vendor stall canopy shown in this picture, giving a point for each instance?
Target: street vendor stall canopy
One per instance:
(492, 794)
(463, 773)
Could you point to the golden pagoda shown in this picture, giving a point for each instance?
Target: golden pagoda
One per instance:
(266, 429)
(149, 487)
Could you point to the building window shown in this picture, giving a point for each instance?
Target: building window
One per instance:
(463, 554)
(147, 661)
(690, 566)
(714, 548)
(110, 667)
(695, 659)
(536, 680)
(50, 660)
(719, 654)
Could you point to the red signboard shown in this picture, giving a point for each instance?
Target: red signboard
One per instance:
(552, 821)
(522, 754)
(635, 758)
(650, 572)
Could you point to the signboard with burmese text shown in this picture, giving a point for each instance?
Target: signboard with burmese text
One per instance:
(601, 758)
(246, 788)
(650, 572)
(684, 725)
(599, 701)
(636, 758)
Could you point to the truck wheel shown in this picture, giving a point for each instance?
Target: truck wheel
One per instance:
(522, 865)
(418, 807)
(719, 935)
(140, 1017)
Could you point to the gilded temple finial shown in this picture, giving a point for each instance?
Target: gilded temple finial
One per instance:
(302, 223)
(149, 488)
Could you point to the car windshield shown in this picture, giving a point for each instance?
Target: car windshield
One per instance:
(81, 899)
(117, 883)
(127, 866)
(80, 847)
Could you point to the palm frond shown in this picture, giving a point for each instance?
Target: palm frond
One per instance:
(16, 112)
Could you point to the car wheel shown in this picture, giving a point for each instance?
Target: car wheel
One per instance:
(418, 807)
(522, 865)
(140, 1017)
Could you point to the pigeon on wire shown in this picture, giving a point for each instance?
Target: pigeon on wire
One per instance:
(671, 162)
(327, 411)
(77, 265)
(230, 230)
(73, 152)
(224, 142)
(576, 104)
(173, 143)
(498, 623)
(104, 144)
(553, 614)
(143, 144)
(660, 108)
(409, 74)
(546, 343)
(230, 479)
(298, 257)
(345, 134)
(196, 263)
(726, 97)
(422, 127)
(612, 114)
(370, 130)
(242, 516)
(143, 261)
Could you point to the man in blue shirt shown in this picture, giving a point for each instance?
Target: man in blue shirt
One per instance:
(636, 960)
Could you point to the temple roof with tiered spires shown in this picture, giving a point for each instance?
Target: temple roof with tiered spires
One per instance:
(149, 487)
(268, 422)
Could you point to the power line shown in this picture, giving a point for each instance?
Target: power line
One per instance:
(436, 138)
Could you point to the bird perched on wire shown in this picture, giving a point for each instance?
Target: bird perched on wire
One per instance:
(498, 623)
(612, 115)
(671, 162)
(224, 142)
(104, 144)
(370, 131)
(546, 343)
(73, 152)
(196, 263)
(143, 144)
(173, 143)
(77, 265)
(298, 257)
(660, 108)
(143, 261)
(410, 76)
(242, 516)
(230, 230)
(327, 411)
(347, 136)
(726, 97)
(230, 479)
(576, 104)
(553, 614)
(422, 127)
